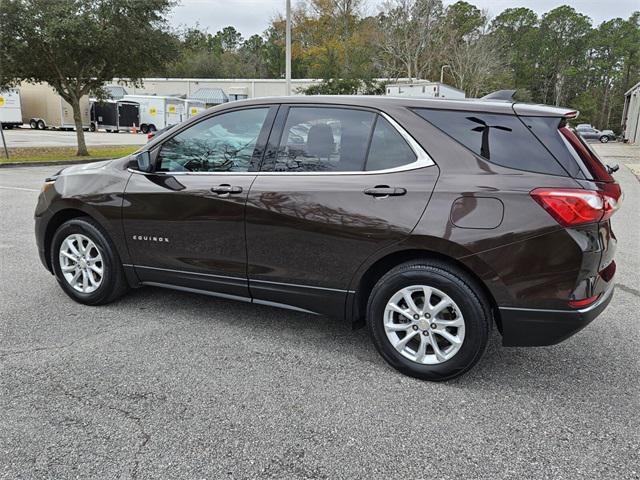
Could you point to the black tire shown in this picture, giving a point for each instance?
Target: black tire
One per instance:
(152, 128)
(604, 139)
(41, 125)
(144, 128)
(92, 127)
(33, 124)
(113, 284)
(462, 290)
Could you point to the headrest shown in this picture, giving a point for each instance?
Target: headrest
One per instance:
(320, 142)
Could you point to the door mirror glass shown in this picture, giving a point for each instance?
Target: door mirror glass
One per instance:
(143, 161)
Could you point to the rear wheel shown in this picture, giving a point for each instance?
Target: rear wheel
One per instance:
(428, 320)
(86, 264)
(33, 124)
(604, 139)
(144, 128)
(41, 125)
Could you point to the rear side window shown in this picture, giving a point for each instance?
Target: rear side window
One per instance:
(501, 139)
(546, 130)
(388, 149)
(320, 139)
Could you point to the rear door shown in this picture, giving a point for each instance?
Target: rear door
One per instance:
(337, 184)
(184, 223)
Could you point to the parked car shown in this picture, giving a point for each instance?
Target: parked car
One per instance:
(588, 132)
(419, 218)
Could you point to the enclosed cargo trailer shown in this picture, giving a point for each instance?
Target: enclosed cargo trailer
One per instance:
(193, 107)
(43, 108)
(157, 112)
(10, 110)
(115, 115)
(424, 90)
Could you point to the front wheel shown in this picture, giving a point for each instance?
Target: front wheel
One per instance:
(86, 264)
(428, 320)
(604, 139)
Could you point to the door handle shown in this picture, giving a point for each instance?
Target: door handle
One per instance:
(226, 189)
(382, 191)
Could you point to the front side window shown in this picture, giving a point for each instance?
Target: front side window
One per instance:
(224, 143)
(319, 139)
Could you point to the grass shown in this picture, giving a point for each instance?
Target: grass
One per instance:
(63, 154)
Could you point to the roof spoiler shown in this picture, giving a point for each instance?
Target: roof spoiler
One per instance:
(501, 95)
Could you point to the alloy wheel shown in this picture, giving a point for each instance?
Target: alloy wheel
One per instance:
(81, 263)
(424, 324)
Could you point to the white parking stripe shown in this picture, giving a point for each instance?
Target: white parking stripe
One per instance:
(19, 188)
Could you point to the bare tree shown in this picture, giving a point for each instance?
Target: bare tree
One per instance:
(475, 60)
(407, 31)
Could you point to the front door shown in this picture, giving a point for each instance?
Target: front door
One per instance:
(337, 184)
(184, 223)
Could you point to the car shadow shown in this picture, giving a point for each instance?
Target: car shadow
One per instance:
(569, 366)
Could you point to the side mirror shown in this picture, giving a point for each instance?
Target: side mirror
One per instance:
(143, 161)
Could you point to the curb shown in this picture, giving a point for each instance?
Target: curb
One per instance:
(52, 163)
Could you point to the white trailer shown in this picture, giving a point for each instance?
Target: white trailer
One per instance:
(424, 90)
(10, 109)
(157, 112)
(43, 108)
(193, 107)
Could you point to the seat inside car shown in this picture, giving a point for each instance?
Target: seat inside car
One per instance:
(320, 141)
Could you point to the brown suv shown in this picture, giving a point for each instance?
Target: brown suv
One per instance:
(427, 219)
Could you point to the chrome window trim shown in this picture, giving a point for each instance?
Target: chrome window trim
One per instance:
(422, 160)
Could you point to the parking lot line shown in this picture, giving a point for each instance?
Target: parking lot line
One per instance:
(19, 188)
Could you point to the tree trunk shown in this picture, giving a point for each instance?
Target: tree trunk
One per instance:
(77, 118)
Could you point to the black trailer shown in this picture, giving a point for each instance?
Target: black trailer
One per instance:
(115, 115)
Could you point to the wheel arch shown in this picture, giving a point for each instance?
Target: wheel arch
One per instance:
(60, 217)
(377, 269)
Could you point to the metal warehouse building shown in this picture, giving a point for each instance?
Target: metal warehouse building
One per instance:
(631, 115)
(234, 88)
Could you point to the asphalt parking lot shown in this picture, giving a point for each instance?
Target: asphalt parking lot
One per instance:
(163, 384)
(26, 137)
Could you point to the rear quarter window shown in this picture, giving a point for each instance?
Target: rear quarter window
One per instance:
(499, 138)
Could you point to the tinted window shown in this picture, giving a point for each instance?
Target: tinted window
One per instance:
(501, 139)
(388, 148)
(224, 143)
(318, 139)
(546, 129)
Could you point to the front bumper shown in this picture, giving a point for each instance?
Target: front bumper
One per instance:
(526, 327)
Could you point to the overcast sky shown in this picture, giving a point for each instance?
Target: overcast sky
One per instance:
(252, 16)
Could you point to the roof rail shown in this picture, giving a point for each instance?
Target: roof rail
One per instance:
(501, 95)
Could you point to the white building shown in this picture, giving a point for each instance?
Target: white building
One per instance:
(234, 88)
(631, 115)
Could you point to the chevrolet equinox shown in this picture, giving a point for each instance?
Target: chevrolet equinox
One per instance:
(427, 220)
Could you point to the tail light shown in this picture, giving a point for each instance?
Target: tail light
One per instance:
(572, 207)
(583, 302)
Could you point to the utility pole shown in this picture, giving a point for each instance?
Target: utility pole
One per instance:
(6, 152)
(288, 49)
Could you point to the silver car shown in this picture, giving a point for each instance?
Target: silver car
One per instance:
(589, 132)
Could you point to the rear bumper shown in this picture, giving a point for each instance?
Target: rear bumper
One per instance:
(525, 327)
